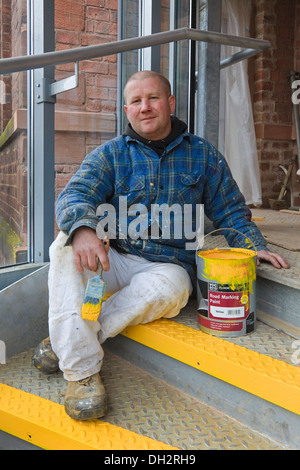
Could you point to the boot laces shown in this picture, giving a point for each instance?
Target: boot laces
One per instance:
(85, 381)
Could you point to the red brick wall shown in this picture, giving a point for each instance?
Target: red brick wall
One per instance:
(277, 22)
(5, 51)
(84, 23)
(77, 24)
(13, 186)
(13, 150)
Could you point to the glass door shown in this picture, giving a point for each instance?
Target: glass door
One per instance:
(175, 60)
(13, 139)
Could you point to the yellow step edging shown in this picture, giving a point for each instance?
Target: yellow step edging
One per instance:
(46, 425)
(263, 376)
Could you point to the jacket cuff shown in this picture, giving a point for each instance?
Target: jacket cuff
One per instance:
(80, 223)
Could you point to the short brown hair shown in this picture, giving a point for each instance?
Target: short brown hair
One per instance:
(142, 74)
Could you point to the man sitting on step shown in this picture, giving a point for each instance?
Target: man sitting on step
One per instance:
(148, 270)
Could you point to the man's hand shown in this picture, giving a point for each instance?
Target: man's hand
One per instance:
(89, 250)
(274, 258)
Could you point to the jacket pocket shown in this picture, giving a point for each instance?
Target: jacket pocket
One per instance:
(190, 188)
(132, 187)
(190, 179)
(130, 184)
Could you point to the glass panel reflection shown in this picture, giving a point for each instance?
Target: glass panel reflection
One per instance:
(85, 117)
(13, 138)
(13, 170)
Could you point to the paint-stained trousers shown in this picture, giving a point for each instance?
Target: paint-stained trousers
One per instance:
(139, 291)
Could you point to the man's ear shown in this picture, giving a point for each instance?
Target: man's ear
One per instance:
(172, 103)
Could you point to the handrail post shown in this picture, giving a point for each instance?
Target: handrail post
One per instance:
(43, 133)
(209, 74)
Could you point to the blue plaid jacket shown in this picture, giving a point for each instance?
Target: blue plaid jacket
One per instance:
(190, 172)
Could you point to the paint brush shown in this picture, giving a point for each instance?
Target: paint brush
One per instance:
(94, 295)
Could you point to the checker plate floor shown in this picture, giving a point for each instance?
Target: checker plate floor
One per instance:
(265, 339)
(145, 405)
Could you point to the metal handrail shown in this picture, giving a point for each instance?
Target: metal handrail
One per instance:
(251, 47)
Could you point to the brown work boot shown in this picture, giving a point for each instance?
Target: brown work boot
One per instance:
(44, 359)
(86, 398)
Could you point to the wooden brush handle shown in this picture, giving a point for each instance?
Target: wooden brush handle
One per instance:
(106, 243)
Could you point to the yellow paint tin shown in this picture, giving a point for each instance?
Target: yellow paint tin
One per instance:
(226, 289)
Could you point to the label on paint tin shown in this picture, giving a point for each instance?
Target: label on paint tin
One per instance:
(220, 326)
(226, 312)
(227, 328)
(228, 305)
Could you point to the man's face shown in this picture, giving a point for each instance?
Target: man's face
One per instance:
(148, 108)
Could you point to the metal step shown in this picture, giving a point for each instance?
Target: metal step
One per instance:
(254, 379)
(145, 412)
(24, 306)
(278, 291)
(166, 381)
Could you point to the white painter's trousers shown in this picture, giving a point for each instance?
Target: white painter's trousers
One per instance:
(141, 291)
